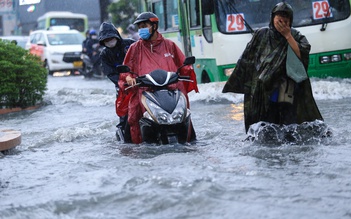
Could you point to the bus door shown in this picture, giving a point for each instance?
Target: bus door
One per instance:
(184, 26)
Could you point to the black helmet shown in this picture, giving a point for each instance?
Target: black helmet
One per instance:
(146, 16)
(285, 8)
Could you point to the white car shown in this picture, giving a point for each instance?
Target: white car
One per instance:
(59, 49)
(20, 40)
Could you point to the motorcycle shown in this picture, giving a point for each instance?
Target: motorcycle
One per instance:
(166, 119)
(92, 65)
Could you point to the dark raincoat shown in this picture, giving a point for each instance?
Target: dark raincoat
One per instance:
(144, 57)
(91, 47)
(112, 57)
(260, 71)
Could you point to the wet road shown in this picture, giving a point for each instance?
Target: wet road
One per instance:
(69, 164)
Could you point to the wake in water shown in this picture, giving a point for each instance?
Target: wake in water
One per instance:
(146, 151)
(270, 134)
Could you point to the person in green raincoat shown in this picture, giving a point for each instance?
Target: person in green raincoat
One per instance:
(271, 73)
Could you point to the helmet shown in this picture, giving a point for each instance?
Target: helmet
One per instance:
(285, 8)
(146, 16)
(92, 32)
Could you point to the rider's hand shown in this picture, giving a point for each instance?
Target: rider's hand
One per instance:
(130, 81)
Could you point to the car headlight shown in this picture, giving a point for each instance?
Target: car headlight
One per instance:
(162, 117)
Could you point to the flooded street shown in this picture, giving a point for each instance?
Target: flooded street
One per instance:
(69, 164)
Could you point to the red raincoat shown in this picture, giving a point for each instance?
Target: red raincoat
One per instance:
(145, 56)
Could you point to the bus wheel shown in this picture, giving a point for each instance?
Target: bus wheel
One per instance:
(205, 78)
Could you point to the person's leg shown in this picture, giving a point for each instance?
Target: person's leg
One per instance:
(272, 115)
(134, 115)
(287, 114)
(127, 136)
(120, 132)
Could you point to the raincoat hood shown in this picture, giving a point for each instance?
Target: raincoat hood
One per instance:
(108, 30)
(282, 7)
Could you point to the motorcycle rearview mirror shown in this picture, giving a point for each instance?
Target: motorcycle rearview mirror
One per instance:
(189, 60)
(122, 69)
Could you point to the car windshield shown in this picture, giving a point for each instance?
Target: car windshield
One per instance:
(257, 13)
(65, 39)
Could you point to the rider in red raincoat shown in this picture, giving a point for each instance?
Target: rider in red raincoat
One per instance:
(152, 51)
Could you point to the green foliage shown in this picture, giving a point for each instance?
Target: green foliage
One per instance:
(22, 77)
(124, 12)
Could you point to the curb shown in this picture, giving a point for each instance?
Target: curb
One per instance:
(17, 109)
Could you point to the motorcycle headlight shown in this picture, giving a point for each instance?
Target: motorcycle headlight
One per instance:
(162, 117)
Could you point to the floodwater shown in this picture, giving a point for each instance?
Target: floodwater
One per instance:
(69, 164)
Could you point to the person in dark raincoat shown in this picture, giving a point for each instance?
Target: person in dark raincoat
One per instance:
(152, 52)
(84, 43)
(92, 50)
(271, 73)
(112, 55)
(91, 45)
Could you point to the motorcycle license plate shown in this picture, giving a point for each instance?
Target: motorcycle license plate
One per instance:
(78, 64)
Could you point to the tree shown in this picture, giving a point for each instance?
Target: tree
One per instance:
(23, 77)
(103, 10)
(124, 12)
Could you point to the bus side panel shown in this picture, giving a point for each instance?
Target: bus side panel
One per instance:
(335, 40)
(340, 69)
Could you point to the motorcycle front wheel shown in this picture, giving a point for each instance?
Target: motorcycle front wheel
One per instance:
(172, 139)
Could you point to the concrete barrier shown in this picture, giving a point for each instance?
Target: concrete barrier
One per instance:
(9, 138)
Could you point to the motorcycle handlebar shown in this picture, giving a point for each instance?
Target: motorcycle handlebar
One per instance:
(184, 77)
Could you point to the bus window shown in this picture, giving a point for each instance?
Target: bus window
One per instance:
(207, 28)
(167, 12)
(158, 10)
(233, 14)
(313, 12)
(194, 13)
(172, 15)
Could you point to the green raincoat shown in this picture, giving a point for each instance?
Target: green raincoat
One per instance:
(260, 71)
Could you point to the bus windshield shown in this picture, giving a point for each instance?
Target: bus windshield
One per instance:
(73, 23)
(231, 14)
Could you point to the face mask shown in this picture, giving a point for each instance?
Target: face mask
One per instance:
(111, 43)
(144, 33)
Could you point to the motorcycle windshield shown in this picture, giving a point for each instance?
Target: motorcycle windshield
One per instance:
(165, 99)
(159, 78)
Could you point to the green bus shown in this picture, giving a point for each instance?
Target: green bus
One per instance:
(63, 18)
(216, 32)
